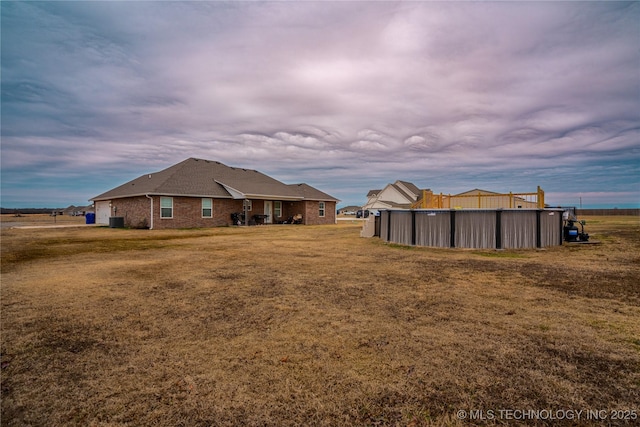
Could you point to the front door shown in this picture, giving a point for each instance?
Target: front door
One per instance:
(268, 210)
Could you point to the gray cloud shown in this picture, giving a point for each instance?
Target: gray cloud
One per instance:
(346, 96)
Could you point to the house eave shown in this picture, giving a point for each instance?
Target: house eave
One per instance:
(308, 199)
(240, 196)
(271, 197)
(154, 194)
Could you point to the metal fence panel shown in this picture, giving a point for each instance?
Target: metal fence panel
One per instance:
(384, 225)
(401, 227)
(550, 228)
(475, 229)
(518, 229)
(433, 228)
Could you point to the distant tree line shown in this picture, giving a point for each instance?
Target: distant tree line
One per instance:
(606, 212)
(29, 211)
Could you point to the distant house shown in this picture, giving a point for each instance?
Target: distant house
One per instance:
(348, 210)
(405, 195)
(77, 210)
(205, 193)
(399, 195)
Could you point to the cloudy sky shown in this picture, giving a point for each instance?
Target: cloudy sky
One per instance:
(345, 96)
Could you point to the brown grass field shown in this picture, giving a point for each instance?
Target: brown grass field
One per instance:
(313, 325)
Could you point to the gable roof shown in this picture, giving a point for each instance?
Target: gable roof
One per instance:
(206, 178)
(410, 186)
(405, 189)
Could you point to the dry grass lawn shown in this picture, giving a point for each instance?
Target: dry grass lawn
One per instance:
(312, 325)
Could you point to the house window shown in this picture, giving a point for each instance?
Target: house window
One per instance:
(321, 210)
(166, 207)
(277, 209)
(207, 208)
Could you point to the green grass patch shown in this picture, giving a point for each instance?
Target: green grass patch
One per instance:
(399, 246)
(500, 254)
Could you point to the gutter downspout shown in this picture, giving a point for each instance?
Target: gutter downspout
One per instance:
(151, 198)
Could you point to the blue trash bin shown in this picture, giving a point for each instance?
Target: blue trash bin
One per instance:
(90, 218)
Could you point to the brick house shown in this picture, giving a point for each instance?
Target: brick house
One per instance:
(206, 193)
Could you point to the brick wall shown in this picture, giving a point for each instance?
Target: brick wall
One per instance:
(187, 212)
(135, 210)
(290, 209)
(222, 210)
(312, 213)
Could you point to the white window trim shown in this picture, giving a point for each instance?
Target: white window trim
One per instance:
(161, 207)
(202, 207)
(277, 211)
(322, 209)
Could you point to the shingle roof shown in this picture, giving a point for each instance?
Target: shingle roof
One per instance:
(310, 193)
(411, 187)
(401, 191)
(207, 178)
